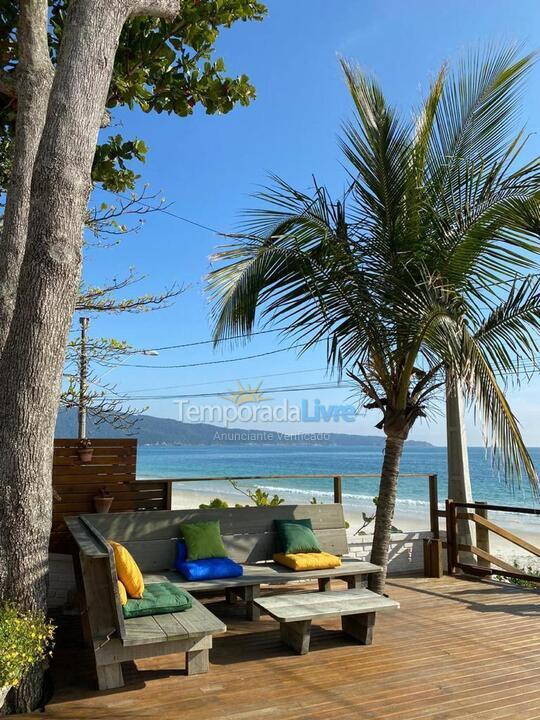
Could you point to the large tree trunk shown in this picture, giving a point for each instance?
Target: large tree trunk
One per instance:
(31, 364)
(386, 504)
(31, 87)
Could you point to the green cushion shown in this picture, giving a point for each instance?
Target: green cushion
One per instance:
(203, 540)
(158, 598)
(298, 538)
(279, 547)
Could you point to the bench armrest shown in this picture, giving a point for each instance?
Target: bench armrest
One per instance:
(86, 541)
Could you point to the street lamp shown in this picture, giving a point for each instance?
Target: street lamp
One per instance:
(83, 374)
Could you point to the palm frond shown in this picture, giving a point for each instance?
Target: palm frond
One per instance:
(477, 113)
(405, 276)
(510, 333)
(504, 435)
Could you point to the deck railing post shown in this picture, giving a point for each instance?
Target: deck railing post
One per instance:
(434, 506)
(168, 494)
(451, 536)
(338, 490)
(482, 534)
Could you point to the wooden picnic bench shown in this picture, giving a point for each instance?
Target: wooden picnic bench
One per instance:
(151, 537)
(295, 611)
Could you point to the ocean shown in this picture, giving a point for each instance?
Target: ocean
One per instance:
(194, 462)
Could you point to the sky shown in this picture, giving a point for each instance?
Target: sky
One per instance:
(208, 167)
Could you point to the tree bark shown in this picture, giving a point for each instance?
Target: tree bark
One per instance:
(386, 504)
(31, 86)
(459, 479)
(32, 361)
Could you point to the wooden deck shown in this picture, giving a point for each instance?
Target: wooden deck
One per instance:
(457, 649)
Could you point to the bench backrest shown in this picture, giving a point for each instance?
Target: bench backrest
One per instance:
(248, 533)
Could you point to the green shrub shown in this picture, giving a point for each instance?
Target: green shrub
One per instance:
(215, 504)
(521, 582)
(25, 639)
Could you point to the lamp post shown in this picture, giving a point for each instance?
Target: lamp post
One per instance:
(83, 375)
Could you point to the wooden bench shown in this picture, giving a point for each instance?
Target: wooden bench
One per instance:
(113, 638)
(151, 536)
(295, 611)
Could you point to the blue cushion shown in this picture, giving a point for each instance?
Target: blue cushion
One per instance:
(181, 551)
(209, 569)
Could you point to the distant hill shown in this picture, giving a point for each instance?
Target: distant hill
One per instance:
(151, 430)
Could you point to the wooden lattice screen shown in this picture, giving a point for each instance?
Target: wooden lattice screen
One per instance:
(113, 466)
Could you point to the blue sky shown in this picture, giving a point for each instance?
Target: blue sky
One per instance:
(208, 166)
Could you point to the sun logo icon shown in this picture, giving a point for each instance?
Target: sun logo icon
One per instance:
(247, 394)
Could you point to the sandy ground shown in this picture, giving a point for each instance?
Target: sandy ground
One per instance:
(405, 520)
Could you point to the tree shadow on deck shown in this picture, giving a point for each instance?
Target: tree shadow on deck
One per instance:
(528, 609)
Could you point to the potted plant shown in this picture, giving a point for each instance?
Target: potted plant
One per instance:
(85, 450)
(103, 501)
(25, 639)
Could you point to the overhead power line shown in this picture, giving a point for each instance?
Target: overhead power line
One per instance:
(210, 362)
(212, 342)
(227, 393)
(225, 380)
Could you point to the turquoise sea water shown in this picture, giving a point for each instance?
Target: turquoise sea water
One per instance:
(193, 462)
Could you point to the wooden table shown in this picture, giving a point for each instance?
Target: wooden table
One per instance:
(295, 611)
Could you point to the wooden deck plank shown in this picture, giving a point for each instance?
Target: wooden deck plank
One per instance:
(455, 649)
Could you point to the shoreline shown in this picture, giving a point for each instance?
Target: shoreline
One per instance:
(184, 498)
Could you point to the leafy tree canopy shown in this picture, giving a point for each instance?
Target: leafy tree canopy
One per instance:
(160, 66)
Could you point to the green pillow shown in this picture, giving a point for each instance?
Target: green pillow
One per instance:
(203, 540)
(158, 598)
(279, 545)
(298, 539)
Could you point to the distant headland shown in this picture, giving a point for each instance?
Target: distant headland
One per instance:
(150, 430)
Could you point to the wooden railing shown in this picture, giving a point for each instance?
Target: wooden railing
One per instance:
(337, 480)
(113, 469)
(477, 513)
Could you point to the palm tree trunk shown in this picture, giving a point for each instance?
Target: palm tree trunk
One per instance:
(386, 503)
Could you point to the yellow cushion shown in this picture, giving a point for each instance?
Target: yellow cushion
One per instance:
(127, 570)
(122, 592)
(308, 561)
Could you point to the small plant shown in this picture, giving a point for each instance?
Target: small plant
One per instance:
(25, 639)
(85, 450)
(215, 504)
(368, 519)
(103, 501)
(521, 582)
(258, 497)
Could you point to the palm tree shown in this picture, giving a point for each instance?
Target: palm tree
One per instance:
(418, 272)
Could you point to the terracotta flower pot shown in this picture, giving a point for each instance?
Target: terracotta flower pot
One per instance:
(102, 504)
(85, 454)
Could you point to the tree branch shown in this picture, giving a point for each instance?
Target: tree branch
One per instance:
(33, 37)
(167, 9)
